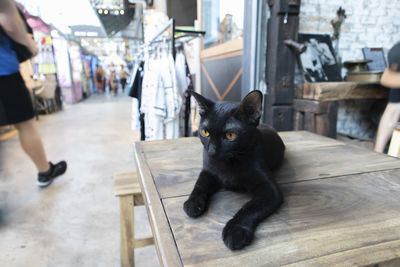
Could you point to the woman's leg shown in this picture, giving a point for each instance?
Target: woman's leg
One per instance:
(387, 123)
(32, 144)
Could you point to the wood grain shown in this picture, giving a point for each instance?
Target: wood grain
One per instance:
(299, 121)
(308, 156)
(163, 237)
(127, 231)
(126, 183)
(223, 49)
(333, 91)
(313, 106)
(341, 221)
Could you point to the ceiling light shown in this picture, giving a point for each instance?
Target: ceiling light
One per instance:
(100, 11)
(122, 12)
(105, 12)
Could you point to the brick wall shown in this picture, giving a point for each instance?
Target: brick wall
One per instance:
(369, 23)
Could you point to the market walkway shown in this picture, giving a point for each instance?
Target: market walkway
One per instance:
(75, 221)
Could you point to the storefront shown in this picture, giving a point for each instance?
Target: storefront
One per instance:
(222, 48)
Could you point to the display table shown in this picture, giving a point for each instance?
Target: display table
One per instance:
(341, 207)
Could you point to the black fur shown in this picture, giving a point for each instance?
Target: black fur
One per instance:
(242, 164)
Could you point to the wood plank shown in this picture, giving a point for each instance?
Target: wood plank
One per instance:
(333, 91)
(299, 121)
(282, 117)
(176, 173)
(163, 237)
(225, 55)
(175, 164)
(309, 122)
(307, 140)
(332, 117)
(126, 183)
(324, 162)
(222, 49)
(337, 221)
(394, 147)
(127, 231)
(380, 255)
(322, 124)
(313, 106)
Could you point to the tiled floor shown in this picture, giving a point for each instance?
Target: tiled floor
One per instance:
(75, 221)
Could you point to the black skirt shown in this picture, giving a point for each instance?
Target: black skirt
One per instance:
(394, 95)
(15, 100)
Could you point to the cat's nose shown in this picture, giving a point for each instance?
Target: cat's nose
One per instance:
(212, 151)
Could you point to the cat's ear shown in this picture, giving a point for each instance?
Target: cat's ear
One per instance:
(251, 106)
(204, 103)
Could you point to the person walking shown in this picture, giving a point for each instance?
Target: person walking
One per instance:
(15, 101)
(391, 115)
(123, 77)
(99, 76)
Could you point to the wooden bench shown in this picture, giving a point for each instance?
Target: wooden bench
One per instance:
(127, 188)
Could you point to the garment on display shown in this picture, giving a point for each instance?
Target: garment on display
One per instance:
(161, 79)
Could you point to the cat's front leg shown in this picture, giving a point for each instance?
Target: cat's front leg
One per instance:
(207, 184)
(239, 231)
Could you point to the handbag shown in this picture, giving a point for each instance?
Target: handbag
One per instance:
(23, 52)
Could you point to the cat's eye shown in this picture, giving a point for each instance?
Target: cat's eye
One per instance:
(205, 133)
(230, 136)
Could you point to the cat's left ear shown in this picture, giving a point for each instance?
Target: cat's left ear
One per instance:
(204, 103)
(251, 106)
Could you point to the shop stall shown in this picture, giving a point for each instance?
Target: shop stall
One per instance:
(222, 48)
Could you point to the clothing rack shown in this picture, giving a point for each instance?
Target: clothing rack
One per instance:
(175, 41)
(171, 24)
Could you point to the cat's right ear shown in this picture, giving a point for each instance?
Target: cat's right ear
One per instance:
(204, 103)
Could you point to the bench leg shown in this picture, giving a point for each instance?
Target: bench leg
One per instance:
(127, 231)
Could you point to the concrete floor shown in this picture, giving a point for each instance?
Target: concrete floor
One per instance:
(75, 221)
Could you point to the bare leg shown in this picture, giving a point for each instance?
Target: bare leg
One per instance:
(388, 121)
(32, 144)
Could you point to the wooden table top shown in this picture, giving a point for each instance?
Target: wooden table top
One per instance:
(341, 206)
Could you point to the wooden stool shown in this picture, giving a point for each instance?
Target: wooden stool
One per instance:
(127, 188)
(394, 147)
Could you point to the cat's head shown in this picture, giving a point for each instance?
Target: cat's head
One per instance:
(228, 130)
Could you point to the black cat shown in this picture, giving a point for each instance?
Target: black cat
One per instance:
(238, 156)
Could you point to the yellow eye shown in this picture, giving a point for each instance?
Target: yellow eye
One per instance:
(230, 136)
(205, 133)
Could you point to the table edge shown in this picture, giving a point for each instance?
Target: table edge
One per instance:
(164, 240)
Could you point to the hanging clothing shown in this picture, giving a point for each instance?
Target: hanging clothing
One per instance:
(160, 99)
(135, 92)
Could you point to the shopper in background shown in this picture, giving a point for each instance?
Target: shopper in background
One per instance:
(99, 79)
(122, 77)
(113, 82)
(391, 115)
(14, 96)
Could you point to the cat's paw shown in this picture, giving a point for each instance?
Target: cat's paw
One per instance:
(236, 236)
(194, 207)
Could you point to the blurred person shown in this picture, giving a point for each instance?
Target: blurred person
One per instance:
(113, 82)
(391, 115)
(122, 77)
(99, 76)
(14, 96)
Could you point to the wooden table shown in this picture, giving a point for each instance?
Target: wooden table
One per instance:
(342, 207)
(316, 104)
